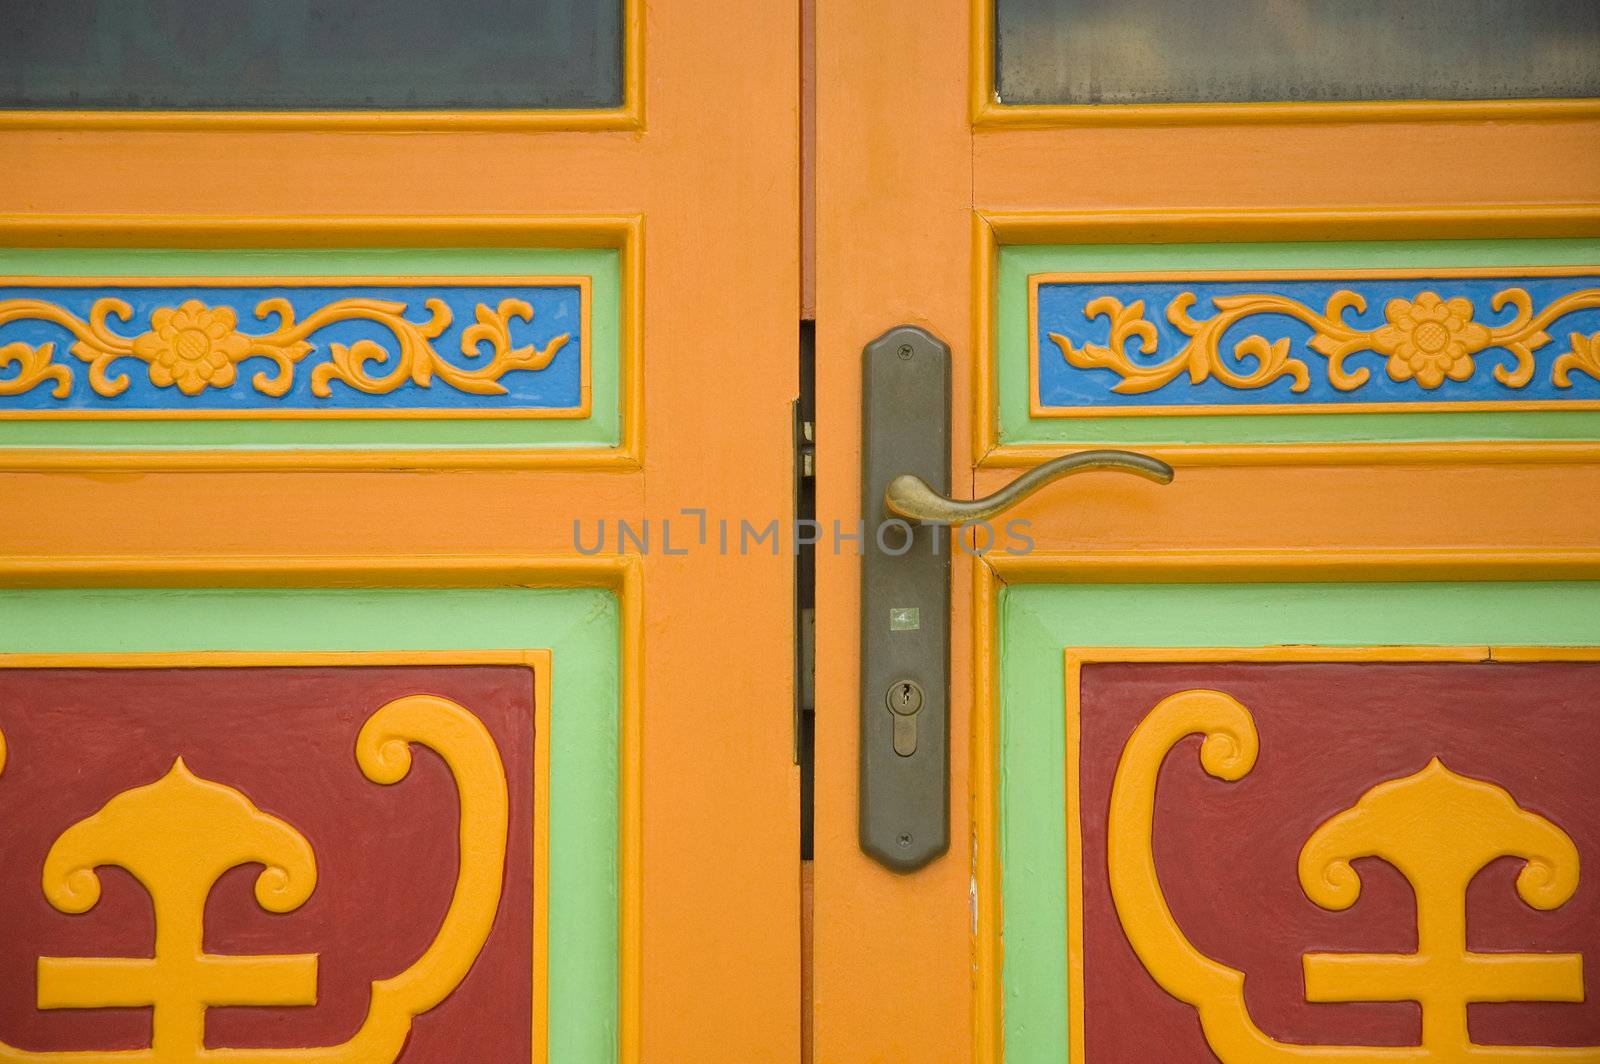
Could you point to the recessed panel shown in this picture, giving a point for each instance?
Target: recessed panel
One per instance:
(250, 840)
(376, 349)
(1333, 342)
(1217, 341)
(1381, 794)
(1433, 737)
(455, 804)
(514, 345)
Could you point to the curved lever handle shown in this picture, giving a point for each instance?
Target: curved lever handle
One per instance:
(913, 498)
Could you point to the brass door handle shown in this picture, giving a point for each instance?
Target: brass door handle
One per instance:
(904, 805)
(913, 498)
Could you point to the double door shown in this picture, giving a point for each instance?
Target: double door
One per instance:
(450, 612)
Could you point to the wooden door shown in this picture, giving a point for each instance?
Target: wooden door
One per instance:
(332, 348)
(1358, 330)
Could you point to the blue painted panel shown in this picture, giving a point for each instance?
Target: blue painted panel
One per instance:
(1413, 340)
(176, 338)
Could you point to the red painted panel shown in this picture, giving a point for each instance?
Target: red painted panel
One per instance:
(285, 737)
(1227, 852)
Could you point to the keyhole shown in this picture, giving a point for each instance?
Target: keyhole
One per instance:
(904, 698)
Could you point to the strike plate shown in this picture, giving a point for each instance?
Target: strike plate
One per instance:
(905, 605)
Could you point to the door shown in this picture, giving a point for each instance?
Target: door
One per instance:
(1359, 329)
(355, 357)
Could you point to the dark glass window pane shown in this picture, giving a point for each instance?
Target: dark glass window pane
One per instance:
(1194, 51)
(310, 54)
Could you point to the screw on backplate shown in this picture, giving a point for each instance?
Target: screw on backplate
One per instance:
(904, 840)
(904, 352)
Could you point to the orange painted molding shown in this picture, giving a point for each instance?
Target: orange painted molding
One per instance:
(1258, 565)
(618, 573)
(252, 231)
(1446, 452)
(988, 945)
(1439, 221)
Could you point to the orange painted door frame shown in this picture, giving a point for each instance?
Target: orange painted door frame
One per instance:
(920, 180)
(698, 182)
(685, 184)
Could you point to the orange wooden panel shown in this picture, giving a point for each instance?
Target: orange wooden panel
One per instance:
(288, 173)
(893, 959)
(1299, 165)
(1285, 509)
(903, 177)
(711, 971)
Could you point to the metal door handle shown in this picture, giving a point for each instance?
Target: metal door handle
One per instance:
(905, 588)
(912, 497)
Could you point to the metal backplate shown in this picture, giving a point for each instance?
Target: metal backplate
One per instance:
(905, 605)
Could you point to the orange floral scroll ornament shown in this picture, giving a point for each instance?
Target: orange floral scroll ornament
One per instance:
(179, 834)
(1427, 339)
(196, 347)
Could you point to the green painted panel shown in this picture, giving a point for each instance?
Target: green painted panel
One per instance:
(601, 429)
(1037, 623)
(1016, 426)
(580, 627)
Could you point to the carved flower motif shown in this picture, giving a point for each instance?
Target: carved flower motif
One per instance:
(1430, 339)
(193, 346)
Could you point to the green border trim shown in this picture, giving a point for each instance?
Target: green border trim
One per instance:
(1017, 262)
(601, 429)
(581, 628)
(1039, 621)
